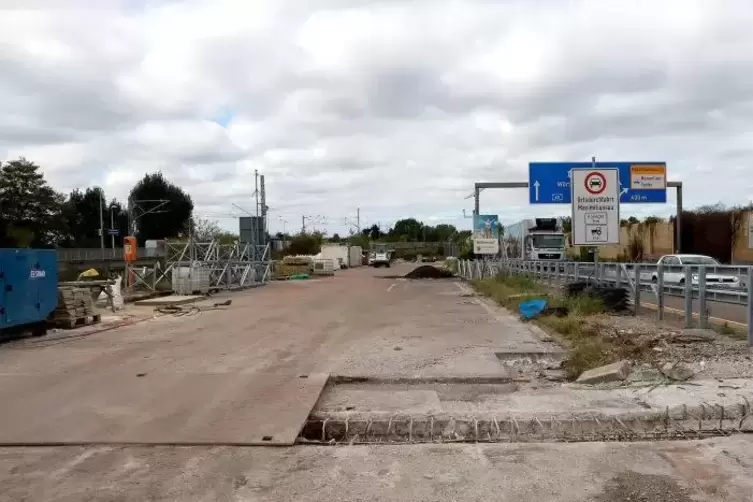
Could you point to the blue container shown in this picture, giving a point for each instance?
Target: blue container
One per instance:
(28, 286)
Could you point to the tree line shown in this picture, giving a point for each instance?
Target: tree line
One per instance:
(404, 230)
(33, 214)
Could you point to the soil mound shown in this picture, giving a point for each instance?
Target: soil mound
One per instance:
(428, 272)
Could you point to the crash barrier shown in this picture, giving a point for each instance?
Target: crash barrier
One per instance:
(695, 284)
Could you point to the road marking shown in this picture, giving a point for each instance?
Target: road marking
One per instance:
(391, 286)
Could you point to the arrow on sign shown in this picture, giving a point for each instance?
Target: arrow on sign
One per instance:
(536, 187)
(623, 191)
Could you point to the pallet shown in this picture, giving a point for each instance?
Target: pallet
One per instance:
(75, 322)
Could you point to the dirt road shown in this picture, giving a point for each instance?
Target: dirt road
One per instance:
(233, 376)
(250, 373)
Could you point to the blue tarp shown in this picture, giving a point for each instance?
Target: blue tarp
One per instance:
(532, 308)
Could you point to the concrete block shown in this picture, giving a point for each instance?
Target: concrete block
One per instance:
(609, 373)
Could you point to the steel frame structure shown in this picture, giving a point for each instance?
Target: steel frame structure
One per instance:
(231, 266)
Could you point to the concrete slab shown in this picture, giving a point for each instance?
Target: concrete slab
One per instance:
(715, 470)
(157, 408)
(169, 300)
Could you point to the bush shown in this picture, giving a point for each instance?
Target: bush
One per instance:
(307, 244)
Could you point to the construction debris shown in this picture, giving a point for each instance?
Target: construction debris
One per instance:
(429, 272)
(610, 373)
(614, 299)
(75, 307)
(293, 265)
(677, 371)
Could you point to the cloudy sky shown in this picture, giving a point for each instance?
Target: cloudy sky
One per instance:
(393, 106)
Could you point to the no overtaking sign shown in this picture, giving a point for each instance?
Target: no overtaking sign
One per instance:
(595, 206)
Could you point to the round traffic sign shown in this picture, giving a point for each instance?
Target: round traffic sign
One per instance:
(595, 183)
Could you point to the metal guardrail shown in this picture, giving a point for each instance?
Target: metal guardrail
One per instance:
(107, 254)
(728, 284)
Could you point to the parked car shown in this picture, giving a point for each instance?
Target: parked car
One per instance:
(677, 275)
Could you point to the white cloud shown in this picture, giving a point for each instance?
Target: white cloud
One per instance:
(396, 107)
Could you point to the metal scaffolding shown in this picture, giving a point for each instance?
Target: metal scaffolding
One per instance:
(229, 266)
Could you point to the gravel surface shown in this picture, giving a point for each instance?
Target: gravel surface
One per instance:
(636, 487)
(707, 353)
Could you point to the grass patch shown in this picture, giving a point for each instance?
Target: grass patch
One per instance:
(587, 347)
(727, 330)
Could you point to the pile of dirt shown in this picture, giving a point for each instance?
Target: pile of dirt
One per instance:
(429, 272)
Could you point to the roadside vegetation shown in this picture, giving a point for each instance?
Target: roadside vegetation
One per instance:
(582, 330)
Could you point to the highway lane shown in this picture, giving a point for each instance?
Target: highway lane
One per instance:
(721, 310)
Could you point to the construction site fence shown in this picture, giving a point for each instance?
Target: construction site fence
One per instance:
(649, 284)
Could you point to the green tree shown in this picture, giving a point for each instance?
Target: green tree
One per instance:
(205, 230)
(444, 232)
(160, 209)
(82, 213)
(359, 239)
(307, 244)
(30, 210)
(374, 232)
(410, 228)
(118, 215)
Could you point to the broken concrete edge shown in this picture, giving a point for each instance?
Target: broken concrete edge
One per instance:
(703, 411)
(401, 380)
(608, 373)
(678, 422)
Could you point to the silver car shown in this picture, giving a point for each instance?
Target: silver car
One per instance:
(676, 275)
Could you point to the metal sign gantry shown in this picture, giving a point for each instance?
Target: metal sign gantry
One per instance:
(477, 187)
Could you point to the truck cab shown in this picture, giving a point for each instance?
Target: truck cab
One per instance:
(545, 246)
(540, 239)
(382, 256)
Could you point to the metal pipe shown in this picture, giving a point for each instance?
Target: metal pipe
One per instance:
(678, 217)
(703, 314)
(637, 291)
(660, 291)
(688, 297)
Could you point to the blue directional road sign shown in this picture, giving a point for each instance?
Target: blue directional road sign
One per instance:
(640, 182)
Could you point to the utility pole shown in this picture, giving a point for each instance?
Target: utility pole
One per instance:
(256, 190)
(303, 223)
(101, 224)
(112, 227)
(358, 219)
(263, 197)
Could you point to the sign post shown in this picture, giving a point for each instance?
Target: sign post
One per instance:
(595, 206)
(485, 234)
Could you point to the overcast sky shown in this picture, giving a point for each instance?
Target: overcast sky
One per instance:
(393, 106)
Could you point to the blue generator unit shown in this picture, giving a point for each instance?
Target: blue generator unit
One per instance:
(28, 287)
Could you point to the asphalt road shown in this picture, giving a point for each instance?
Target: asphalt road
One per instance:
(720, 310)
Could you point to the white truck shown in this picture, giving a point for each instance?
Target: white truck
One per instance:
(539, 239)
(382, 256)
